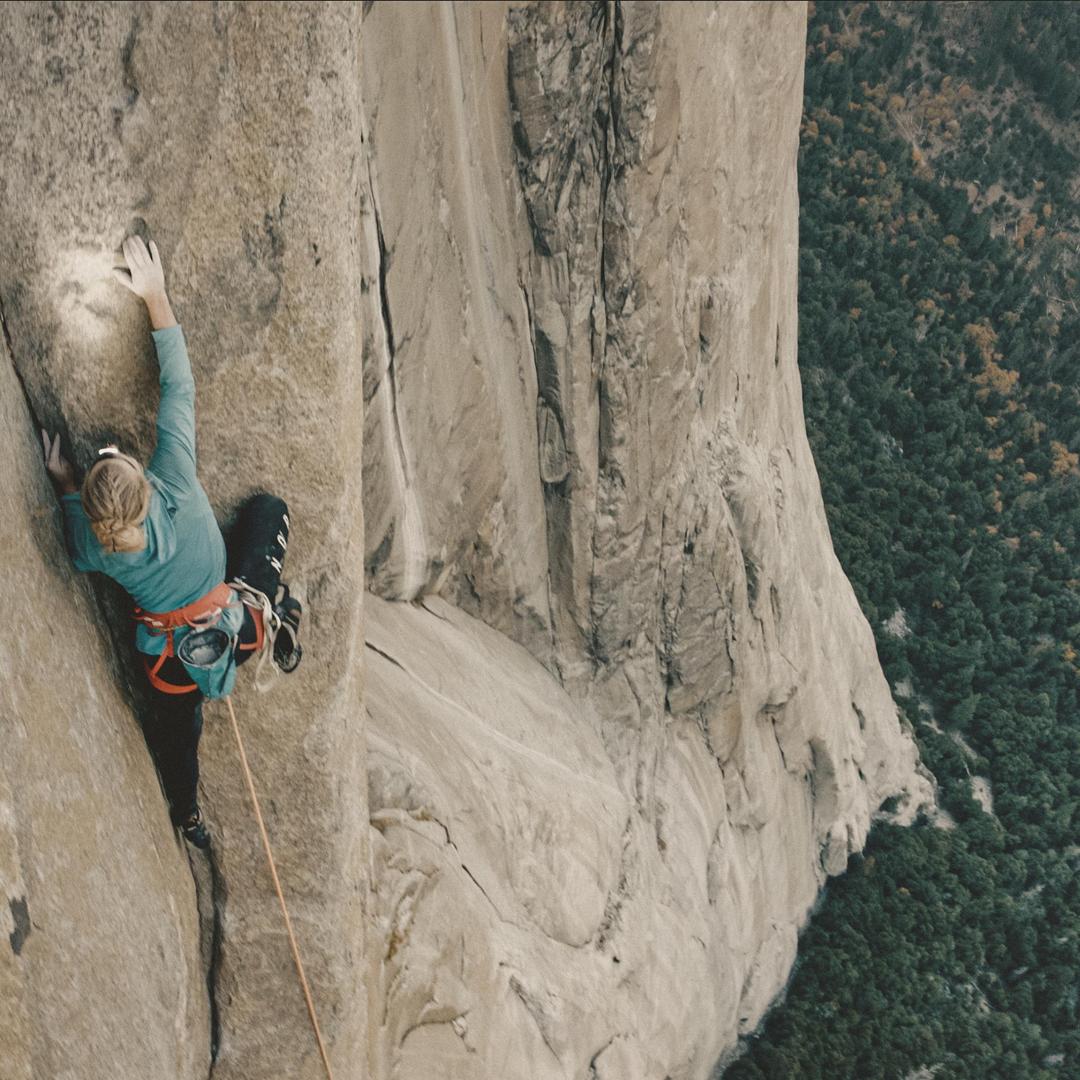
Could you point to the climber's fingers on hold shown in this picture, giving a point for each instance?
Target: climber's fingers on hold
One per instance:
(138, 249)
(134, 253)
(154, 256)
(52, 450)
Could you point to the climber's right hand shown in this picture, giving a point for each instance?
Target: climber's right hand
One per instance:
(60, 470)
(145, 275)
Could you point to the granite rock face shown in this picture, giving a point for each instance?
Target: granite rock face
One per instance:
(231, 134)
(632, 717)
(100, 971)
(501, 299)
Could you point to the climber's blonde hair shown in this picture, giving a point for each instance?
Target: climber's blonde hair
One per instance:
(116, 498)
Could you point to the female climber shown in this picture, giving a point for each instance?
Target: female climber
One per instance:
(153, 531)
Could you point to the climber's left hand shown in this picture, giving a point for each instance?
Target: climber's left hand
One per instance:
(60, 470)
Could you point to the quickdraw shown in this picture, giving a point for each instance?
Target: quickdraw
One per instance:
(267, 624)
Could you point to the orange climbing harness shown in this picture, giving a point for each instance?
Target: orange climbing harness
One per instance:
(281, 898)
(198, 615)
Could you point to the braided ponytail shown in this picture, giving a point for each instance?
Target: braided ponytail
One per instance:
(116, 498)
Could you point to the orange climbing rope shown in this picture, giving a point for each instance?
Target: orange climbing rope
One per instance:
(277, 886)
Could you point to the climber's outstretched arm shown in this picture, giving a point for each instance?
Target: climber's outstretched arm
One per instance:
(174, 458)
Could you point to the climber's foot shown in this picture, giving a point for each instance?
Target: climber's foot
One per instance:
(195, 831)
(287, 651)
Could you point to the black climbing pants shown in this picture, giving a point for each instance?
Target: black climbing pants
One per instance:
(172, 725)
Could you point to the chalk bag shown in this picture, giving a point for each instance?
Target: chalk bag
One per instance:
(204, 648)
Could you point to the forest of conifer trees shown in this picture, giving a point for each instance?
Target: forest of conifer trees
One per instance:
(939, 347)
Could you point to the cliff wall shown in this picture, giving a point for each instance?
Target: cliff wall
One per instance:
(632, 717)
(231, 133)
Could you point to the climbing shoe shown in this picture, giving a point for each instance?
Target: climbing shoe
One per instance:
(287, 651)
(195, 831)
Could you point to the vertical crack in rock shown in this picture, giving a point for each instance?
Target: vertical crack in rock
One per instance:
(554, 466)
(608, 140)
(670, 605)
(210, 896)
(131, 89)
(612, 26)
(388, 327)
(217, 934)
(38, 425)
(553, 488)
(403, 548)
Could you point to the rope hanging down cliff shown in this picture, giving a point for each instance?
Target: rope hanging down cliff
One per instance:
(277, 888)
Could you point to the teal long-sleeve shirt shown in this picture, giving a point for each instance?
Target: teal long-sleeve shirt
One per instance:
(184, 557)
